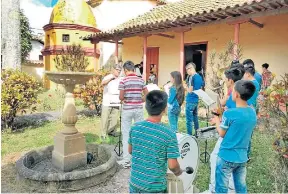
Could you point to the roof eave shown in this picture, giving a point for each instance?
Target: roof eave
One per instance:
(227, 15)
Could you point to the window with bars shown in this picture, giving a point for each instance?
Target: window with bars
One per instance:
(65, 38)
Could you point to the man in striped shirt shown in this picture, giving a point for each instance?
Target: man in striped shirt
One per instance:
(154, 147)
(131, 89)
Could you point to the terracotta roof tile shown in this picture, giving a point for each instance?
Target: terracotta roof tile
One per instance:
(186, 9)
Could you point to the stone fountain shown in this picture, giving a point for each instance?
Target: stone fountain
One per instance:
(65, 163)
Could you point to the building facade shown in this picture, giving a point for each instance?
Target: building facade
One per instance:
(176, 33)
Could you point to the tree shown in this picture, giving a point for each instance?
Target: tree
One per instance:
(26, 36)
(10, 29)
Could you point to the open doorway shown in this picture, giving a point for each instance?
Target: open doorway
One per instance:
(196, 53)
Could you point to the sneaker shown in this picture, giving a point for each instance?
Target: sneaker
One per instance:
(114, 134)
(124, 163)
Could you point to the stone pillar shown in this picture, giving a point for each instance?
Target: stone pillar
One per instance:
(69, 145)
(236, 39)
(181, 68)
(116, 52)
(144, 75)
(10, 29)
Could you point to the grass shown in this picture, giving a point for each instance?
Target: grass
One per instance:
(259, 176)
(53, 100)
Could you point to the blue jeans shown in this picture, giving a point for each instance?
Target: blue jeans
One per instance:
(223, 172)
(191, 116)
(173, 120)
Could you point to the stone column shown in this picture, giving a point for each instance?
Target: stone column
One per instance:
(69, 145)
(10, 29)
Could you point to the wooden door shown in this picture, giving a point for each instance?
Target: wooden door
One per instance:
(152, 58)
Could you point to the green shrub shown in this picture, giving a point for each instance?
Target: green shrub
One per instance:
(19, 92)
(92, 92)
(72, 59)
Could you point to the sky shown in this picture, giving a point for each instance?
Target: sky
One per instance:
(38, 12)
(46, 3)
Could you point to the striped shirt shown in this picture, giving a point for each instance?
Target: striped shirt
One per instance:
(133, 87)
(152, 145)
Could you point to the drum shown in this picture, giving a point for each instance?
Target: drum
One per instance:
(189, 157)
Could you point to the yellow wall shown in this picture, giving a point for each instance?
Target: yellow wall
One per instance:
(56, 39)
(266, 45)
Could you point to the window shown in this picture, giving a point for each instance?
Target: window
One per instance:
(65, 38)
(48, 40)
(40, 57)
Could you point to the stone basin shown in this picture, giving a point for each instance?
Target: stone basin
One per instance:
(69, 78)
(35, 169)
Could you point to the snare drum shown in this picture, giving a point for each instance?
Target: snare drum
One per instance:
(189, 156)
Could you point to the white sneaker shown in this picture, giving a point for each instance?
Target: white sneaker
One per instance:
(124, 163)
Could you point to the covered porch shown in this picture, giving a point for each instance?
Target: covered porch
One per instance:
(165, 35)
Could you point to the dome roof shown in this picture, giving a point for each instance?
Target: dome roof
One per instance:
(73, 12)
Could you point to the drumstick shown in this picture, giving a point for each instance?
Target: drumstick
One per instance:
(219, 110)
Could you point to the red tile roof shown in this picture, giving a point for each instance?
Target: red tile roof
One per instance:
(188, 13)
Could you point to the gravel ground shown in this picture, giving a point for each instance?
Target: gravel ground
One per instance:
(117, 184)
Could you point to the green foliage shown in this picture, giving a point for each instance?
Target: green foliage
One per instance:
(72, 59)
(19, 92)
(221, 61)
(274, 104)
(92, 92)
(26, 36)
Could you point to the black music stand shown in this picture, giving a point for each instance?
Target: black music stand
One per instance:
(205, 153)
(119, 143)
(208, 101)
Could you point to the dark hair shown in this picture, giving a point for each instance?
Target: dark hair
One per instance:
(265, 65)
(245, 88)
(235, 62)
(179, 86)
(248, 62)
(235, 73)
(129, 66)
(156, 102)
(250, 70)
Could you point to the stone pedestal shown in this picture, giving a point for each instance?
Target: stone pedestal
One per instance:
(69, 145)
(69, 151)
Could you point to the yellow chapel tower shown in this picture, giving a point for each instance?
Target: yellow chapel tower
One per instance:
(70, 20)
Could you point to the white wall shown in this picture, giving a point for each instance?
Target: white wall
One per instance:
(36, 50)
(113, 13)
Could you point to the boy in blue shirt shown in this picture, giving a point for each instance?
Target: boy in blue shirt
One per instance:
(258, 76)
(234, 74)
(195, 82)
(236, 129)
(249, 75)
(153, 147)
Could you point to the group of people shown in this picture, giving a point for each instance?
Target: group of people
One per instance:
(149, 146)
